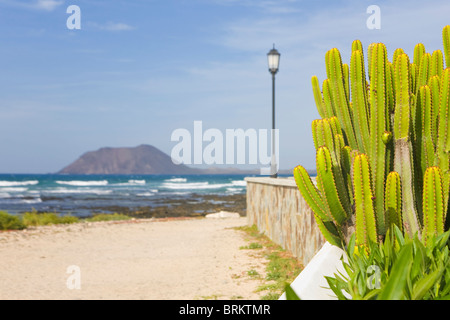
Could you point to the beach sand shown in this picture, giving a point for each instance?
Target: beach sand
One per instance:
(174, 258)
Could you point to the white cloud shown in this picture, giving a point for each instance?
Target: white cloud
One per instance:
(267, 6)
(113, 26)
(41, 5)
(48, 5)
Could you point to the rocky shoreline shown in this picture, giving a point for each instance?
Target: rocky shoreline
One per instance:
(196, 205)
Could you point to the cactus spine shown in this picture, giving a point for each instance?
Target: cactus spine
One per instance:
(382, 144)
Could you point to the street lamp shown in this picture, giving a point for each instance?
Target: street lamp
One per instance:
(273, 58)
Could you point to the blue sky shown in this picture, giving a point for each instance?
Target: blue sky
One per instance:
(139, 69)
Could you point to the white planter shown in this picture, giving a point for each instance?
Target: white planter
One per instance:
(311, 284)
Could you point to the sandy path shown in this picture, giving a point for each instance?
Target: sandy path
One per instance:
(145, 259)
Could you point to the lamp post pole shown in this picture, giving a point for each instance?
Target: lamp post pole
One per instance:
(273, 170)
(273, 58)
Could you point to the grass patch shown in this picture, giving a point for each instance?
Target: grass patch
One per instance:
(253, 273)
(34, 219)
(253, 245)
(108, 217)
(10, 222)
(282, 268)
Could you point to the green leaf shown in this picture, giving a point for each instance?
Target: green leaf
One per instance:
(395, 286)
(399, 236)
(425, 284)
(337, 285)
(290, 293)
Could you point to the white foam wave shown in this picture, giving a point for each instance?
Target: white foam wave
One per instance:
(195, 185)
(234, 190)
(145, 194)
(4, 195)
(136, 181)
(87, 190)
(14, 189)
(37, 200)
(18, 183)
(79, 183)
(240, 183)
(176, 180)
(131, 183)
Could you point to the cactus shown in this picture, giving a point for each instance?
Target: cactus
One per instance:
(339, 95)
(443, 127)
(433, 203)
(378, 120)
(382, 144)
(364, 208)
(446, 40)
(332, 192)
(359, 99)
(403, 150)
(393, 200)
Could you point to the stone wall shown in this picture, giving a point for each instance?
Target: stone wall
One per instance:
(279, 211)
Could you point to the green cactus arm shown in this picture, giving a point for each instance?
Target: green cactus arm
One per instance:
(346, 75)
(329, 231)
(443, 146)
(413, 75)
(314, 124)
(327, 185)
(446, 40)
(434, 84)
(327, 99)
(393, 200)
(320, 104)
(310, 193)
(328, 64)
(324, 136)
(419, 51)
(339, 144)
(425, 146)
(417, 143)
(403, 164)
(369, 58)
(377, 152)
(433, 203)
(402, 107)
(357, 45)
(424, 71)
(334, 143)
(335, 126)
(339, 96)
(437, 63)
(346, 163)
(359, 99)
(364, 209)
(397, 52)
(390, 91)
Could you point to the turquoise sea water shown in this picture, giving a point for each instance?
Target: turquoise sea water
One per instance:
(83, 195)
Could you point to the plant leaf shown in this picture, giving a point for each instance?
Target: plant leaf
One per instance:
(394, 289)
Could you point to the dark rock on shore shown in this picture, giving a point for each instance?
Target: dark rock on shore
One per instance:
(195, 206)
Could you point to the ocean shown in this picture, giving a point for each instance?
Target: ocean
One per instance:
(85, 195)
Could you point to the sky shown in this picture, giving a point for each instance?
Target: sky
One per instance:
(138, 70)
